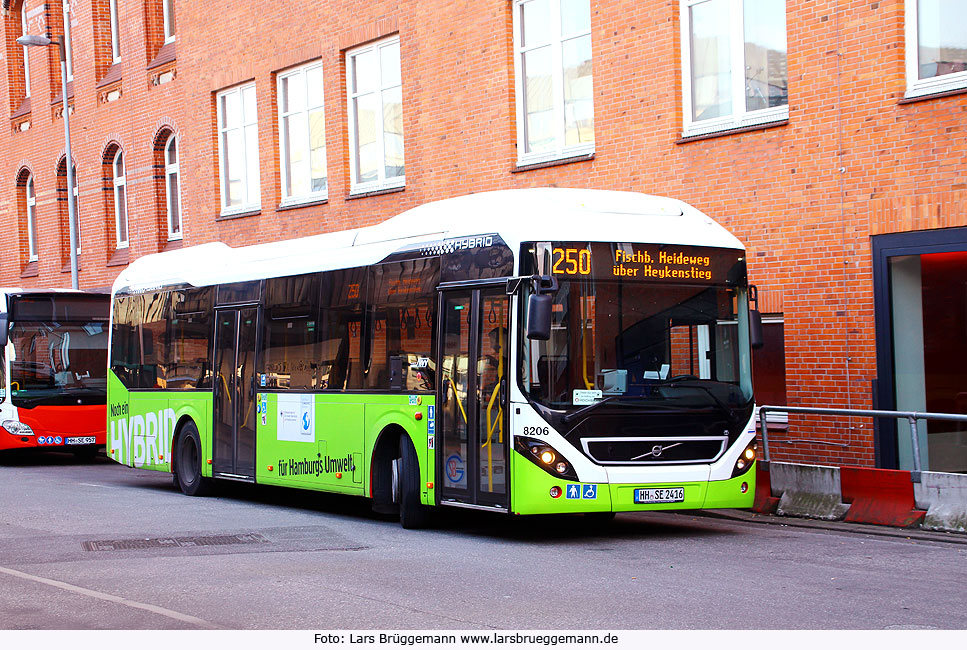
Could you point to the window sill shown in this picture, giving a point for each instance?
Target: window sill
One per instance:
(173, 245)
(165, 55)
(113, 76)
(380, 192)
(526, 167)
(239, 214)
(66, 268)
(31, 270)
(922, 97)
(59, 97)
(23, 109)
(305, 203)
(120, 257)
(737, 130)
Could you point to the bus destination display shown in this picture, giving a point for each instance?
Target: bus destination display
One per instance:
(645, 262)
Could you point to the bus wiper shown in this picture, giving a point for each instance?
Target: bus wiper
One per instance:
(586, 409)
(688, 380)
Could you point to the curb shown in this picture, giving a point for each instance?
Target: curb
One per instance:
(915, 534)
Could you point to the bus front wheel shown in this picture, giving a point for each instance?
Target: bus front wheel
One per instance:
(187, 465)
(413, 514)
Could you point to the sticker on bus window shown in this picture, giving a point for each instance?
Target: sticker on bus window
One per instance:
(585, 397)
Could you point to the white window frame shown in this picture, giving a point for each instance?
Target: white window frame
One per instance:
(172, 169)
(168, 11)
(68, 40)
(31, 201)
(26, 49)
(77, 214)
(253, 200)
(740, 117)
(120, 199)
(381, 183)
(115, 32)
(917, 87)
(299, 73)
(557, 82)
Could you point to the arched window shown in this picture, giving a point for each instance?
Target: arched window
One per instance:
(31, 200)
(62, 207)
(172, 192)
(120, 202)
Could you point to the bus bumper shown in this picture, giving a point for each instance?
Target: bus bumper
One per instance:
(534, 493)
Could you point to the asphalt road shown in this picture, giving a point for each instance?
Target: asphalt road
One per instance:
(101, 546)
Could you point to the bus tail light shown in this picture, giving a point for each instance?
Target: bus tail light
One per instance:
(546, 457)
(15, 428)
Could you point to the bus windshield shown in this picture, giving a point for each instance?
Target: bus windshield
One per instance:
(54, 359)
(656, 327)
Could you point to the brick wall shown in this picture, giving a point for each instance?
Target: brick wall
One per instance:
(852, 161)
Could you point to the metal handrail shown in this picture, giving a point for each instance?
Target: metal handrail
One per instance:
(911, 416)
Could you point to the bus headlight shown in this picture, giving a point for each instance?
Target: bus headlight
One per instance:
(746, 460)
(546, 457)
(15, 428)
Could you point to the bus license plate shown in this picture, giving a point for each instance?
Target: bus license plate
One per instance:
(80, 440)
(659, 495)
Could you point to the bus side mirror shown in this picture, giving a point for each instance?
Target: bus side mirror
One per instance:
(755, 329)
(539, 317)
(3, 330)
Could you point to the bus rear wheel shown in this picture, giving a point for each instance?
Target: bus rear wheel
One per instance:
(413, 514)
(187, 463)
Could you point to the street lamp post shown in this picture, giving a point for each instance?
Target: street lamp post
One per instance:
(33, 39)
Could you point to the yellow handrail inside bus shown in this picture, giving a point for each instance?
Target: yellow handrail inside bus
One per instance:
(497, 424)
(456, 397)
(584, 345)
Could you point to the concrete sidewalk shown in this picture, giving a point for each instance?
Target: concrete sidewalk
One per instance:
(747, 516)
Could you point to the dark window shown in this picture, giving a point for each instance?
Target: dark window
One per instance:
(190, 336)
(341, 329)
(154, 340)
(291, 358)
(126, 341)
(769, 367)
(403, 325)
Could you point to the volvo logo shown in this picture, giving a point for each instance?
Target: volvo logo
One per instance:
(657, 451)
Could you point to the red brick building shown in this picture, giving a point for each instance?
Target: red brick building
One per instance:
(829, 135)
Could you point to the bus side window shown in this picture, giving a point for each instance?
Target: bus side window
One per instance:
(154, 340)
(126, 340)
(341, 329)
(404, 322)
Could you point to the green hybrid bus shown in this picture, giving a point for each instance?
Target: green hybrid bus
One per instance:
(521, 351)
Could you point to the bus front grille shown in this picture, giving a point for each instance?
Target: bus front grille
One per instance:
(655, 450)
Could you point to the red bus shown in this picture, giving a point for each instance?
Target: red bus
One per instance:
(53, 370)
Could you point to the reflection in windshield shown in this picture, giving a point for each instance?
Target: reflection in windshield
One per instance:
(642, 342)
(50, 358)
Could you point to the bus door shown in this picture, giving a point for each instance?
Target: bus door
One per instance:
(233, 454)
(472, 397)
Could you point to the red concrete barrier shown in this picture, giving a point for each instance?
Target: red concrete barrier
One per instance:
(879, 496)
(764, 501)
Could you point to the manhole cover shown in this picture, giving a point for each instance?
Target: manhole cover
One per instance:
(173, 542)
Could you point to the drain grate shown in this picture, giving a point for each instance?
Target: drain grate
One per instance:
(173, 542)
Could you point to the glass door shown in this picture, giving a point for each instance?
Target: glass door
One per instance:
(472, 397)
(234, 399)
